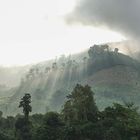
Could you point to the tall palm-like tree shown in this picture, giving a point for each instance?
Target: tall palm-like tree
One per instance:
(25, 104)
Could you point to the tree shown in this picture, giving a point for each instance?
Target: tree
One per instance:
(47, 69)
(23, 129)
(1, 113)
(23, 125)
(121, 122)
(112, 134)
(54, 66)
(51, 128)
(4, 137)
(25, 104)
(85, 60)
(116, 50)
(80, 105)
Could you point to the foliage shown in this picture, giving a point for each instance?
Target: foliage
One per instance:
(80, 105)
(80, 119)
(25, 103)
(23, 125)
(22, 128)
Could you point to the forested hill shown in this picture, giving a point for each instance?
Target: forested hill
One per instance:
(112, 75)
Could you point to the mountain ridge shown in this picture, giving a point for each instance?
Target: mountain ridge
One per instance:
(107, 72)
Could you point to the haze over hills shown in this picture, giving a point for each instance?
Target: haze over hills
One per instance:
(112, 75)
(10, 78)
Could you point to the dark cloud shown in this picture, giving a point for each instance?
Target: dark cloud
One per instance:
(119, 15)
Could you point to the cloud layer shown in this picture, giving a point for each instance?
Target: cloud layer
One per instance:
(118, 15)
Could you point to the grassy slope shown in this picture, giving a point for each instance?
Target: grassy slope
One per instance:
(116, 84)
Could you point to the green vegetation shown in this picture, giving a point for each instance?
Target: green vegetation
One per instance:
(25, 103)
(113, 76)
(79, 118)
(59, 110)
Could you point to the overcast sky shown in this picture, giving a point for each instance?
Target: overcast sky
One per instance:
(36, 30)
(118, 15)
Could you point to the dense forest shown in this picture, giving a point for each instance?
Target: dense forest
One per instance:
(79, 118)
(69, 70)
(104, 105)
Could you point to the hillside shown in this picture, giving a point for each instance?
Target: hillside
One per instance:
(10, 78)
(112, 75)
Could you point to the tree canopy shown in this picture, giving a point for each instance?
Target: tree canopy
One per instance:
(80, 119)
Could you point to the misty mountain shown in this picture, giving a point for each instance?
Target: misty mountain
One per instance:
(11, 76)
(112, 75)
